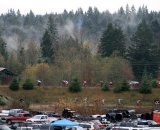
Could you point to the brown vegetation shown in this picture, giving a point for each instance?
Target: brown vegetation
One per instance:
(90, 101)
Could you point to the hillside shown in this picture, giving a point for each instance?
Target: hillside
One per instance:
(88, 101)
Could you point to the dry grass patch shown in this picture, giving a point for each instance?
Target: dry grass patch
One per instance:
(90, 100)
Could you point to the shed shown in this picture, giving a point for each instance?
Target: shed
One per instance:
(6, 76)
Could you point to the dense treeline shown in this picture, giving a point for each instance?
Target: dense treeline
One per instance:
(93, 46)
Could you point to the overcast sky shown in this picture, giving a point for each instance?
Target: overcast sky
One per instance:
(48, 6)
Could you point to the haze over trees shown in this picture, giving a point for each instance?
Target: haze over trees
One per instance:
(93, 46)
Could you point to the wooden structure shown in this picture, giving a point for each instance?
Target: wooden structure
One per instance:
(5, 76)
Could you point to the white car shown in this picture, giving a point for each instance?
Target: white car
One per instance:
(42, 118)
(38, 118)
(88, 125)
(129, 128)
(4, 113)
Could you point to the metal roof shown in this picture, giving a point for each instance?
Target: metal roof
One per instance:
(2, 68)
(6, 71)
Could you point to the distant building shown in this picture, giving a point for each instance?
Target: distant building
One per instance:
(5, 76)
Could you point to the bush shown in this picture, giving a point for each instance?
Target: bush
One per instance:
(74, 86)
(122, 87)
(154, 83)
(28, 84)
(14, 86)
(105, 87)
(145, 87)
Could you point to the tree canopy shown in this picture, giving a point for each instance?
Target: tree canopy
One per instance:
(142, 52)
(112, 40)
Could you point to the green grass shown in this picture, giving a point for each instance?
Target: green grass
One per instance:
(55, 98)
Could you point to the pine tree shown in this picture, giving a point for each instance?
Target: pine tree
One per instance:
(105, 87)
(28, 85)
(142, 52)
(74, 86)
(112, 40)
(46, 47)
(14, 85)
(49, 43)
(145, 87)
(122, 86)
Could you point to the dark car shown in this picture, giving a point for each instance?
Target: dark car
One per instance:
(49, 127)
(33, 113)
(68, 113)
(51, 114)
(117, 114)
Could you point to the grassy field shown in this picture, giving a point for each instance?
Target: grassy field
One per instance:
(89, 101)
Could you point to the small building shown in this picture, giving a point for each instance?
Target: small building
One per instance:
(6, 76)
(134, 84)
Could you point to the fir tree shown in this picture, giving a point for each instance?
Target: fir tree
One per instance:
(122, 86)
(105, 87)
(145, 87)
(74, 86)
(142, 52)
(28, 84)
(14, 85)
(49, 43)
(112, 40)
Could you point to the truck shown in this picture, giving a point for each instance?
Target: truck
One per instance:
(21, 117)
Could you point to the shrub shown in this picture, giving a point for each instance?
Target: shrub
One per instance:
(14, 86)
(145, 87)
(28, 84)
(154, 83)
(122, 86)
(105, 87)
(74, 86)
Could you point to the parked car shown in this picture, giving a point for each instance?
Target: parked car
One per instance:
(75, 128)
(38, 118)
(87, 126)
(51, 114)
(146, 123)
(4, 113)
(129, 128)
(4, 127)
(102, 119)
(97, 122)
(24, 128)
(68, 113)
(49, 127)
(25, 125)
(21, 117)
(33, 113)
(114, 115)
(42, 118)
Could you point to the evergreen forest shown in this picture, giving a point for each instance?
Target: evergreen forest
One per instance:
(90, 45)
